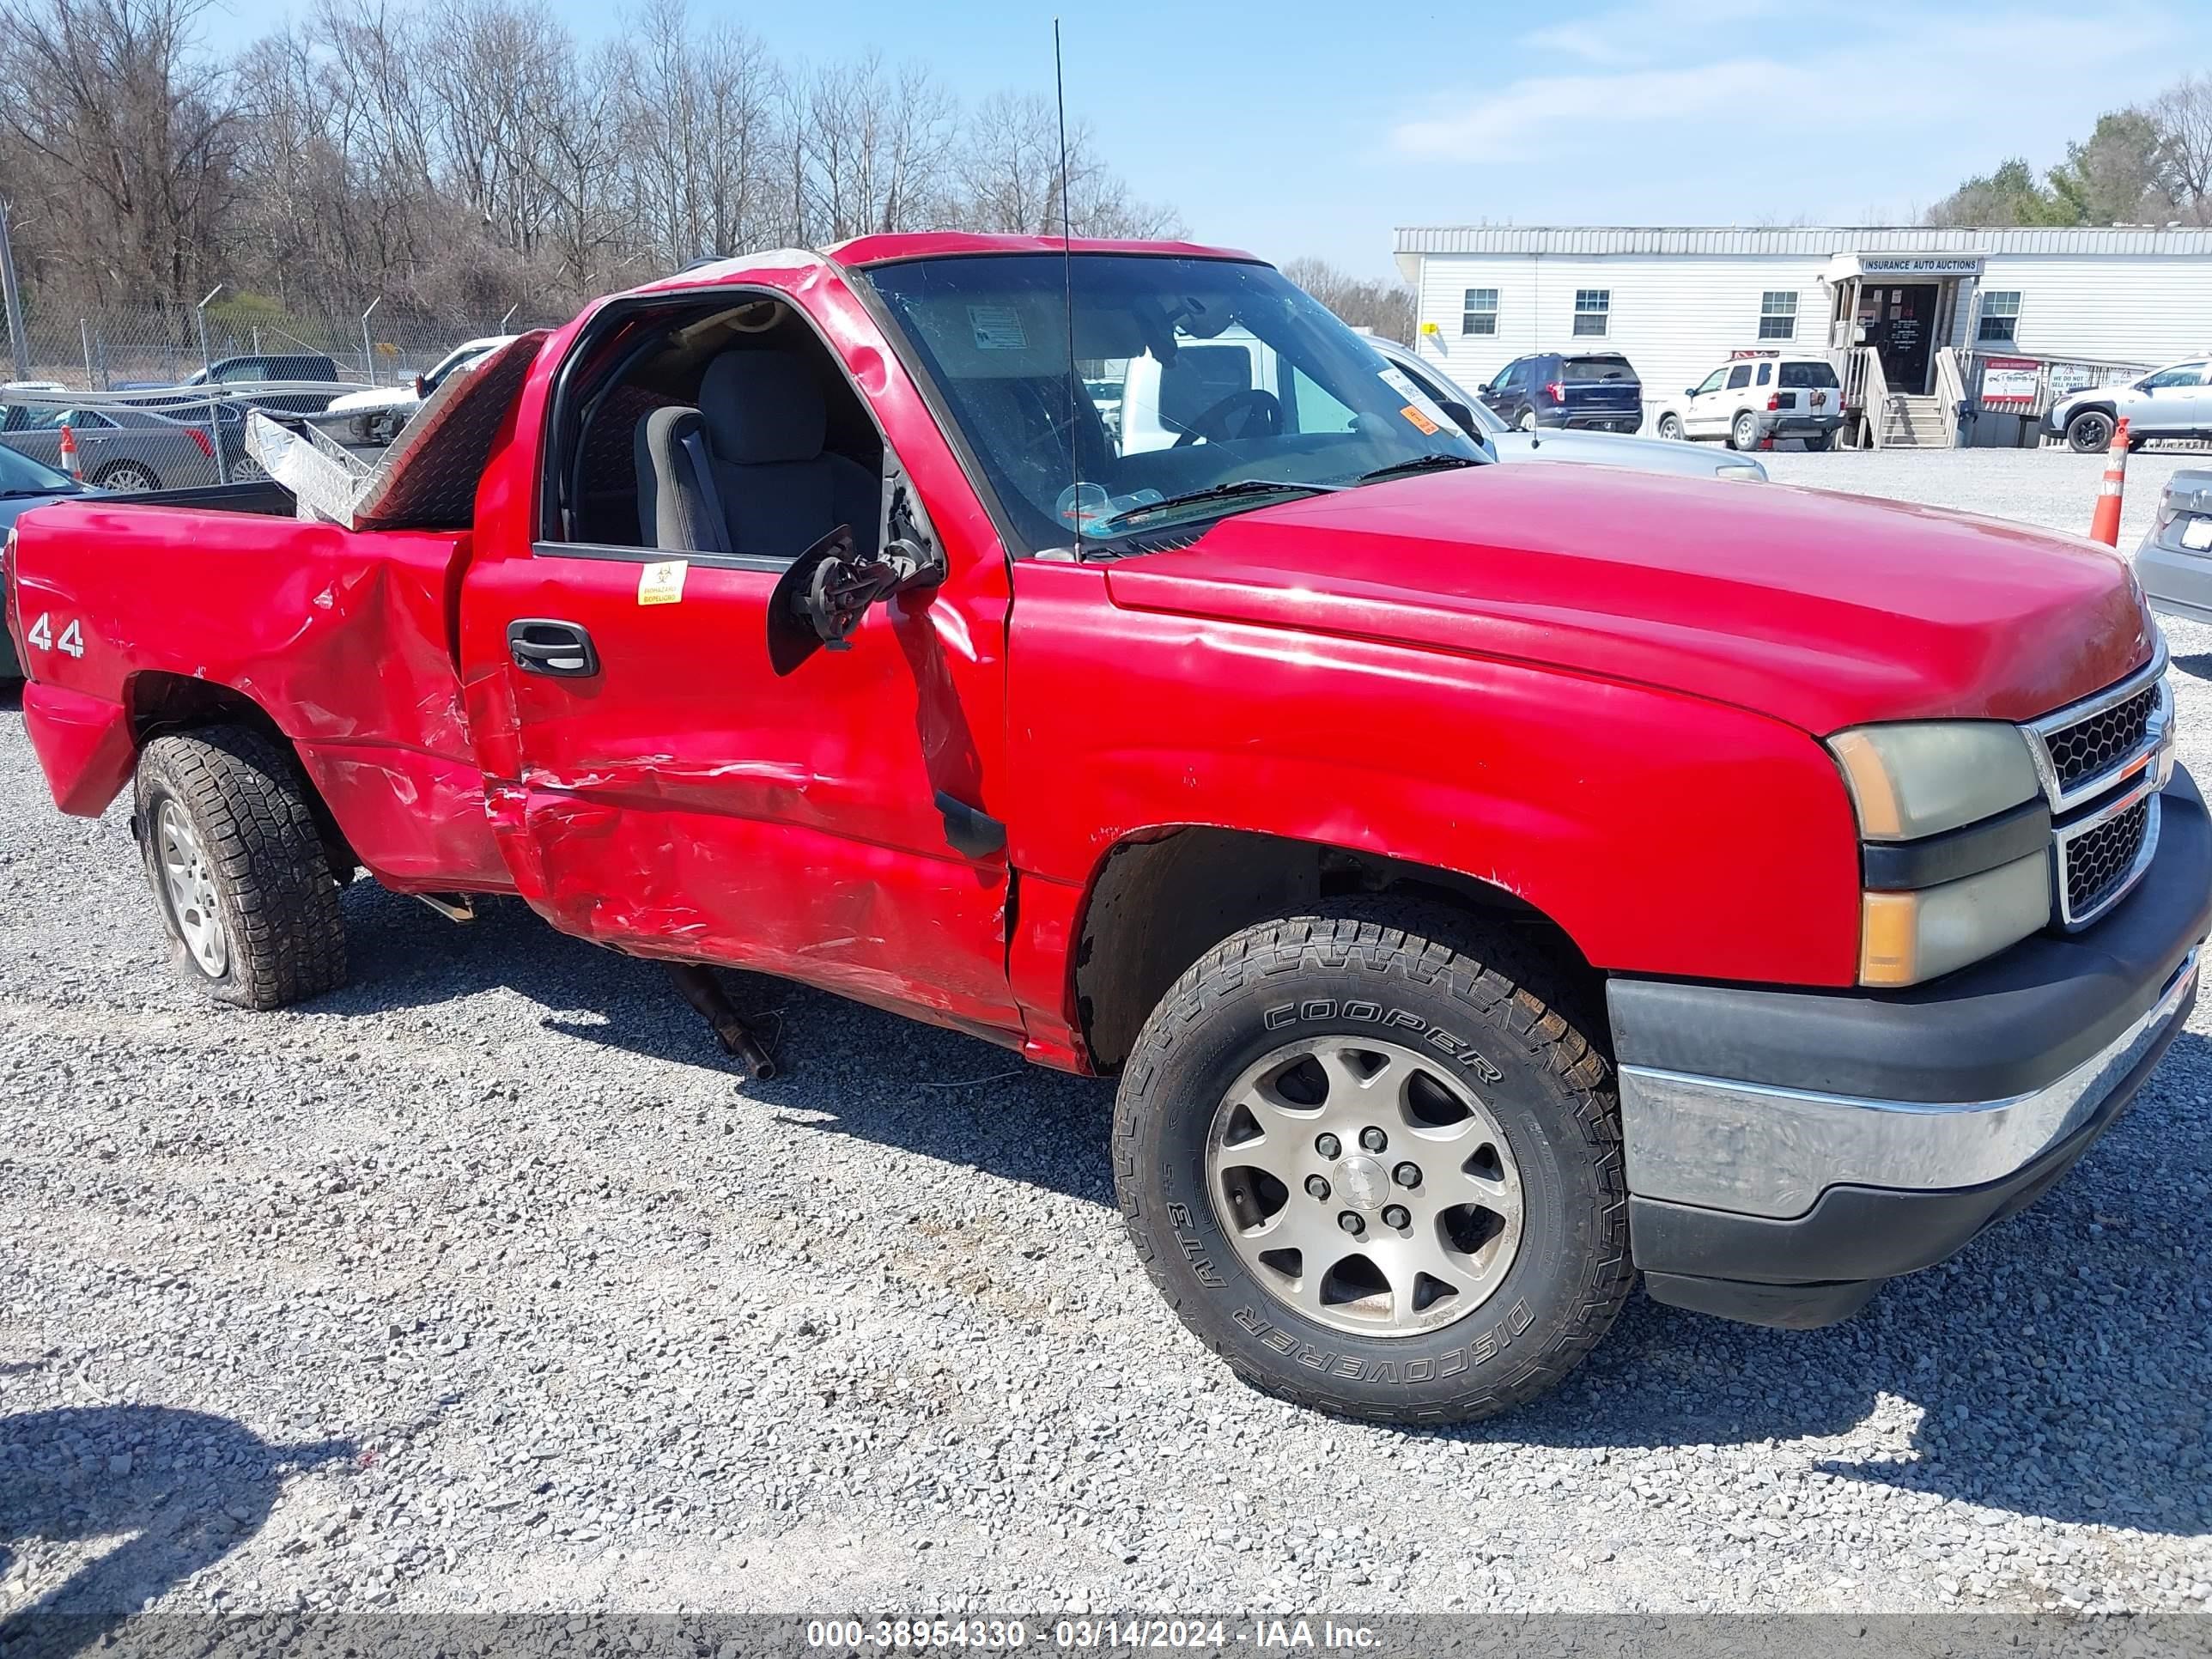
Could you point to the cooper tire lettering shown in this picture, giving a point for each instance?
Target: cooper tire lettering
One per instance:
(1491, 1012)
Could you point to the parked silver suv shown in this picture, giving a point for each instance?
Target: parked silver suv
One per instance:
(2173, 402)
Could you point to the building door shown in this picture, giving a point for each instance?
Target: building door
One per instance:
(1903, 333)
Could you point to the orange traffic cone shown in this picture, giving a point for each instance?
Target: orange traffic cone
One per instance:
(2104, 524)
(69, 454)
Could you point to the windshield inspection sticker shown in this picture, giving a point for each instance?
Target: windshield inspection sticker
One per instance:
(662, 583)
(997, 328)
(1430, 418)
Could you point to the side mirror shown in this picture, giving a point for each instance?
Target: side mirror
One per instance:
(1461, 414)
(1484, 390)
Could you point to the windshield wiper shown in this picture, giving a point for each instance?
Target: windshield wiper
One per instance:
(1218, 492)
(1417, 463)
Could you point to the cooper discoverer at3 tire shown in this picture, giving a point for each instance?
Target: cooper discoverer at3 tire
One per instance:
(240, 873)
(1378, 1174)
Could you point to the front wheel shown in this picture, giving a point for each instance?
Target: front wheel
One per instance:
(2090, 432)
(1377, 1175)
(1670, 428)
(238, 867)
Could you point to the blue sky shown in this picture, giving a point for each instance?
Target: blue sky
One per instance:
(1299, 127)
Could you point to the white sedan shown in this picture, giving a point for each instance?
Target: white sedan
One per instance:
(1558, 444)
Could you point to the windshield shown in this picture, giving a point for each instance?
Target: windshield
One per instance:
(1190, 375)
(21, 475)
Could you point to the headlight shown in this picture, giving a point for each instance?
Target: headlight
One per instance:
(1983, 882)
(1920, 780)
(1906, 938)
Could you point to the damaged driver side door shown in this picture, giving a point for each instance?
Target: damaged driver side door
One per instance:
(675, 793)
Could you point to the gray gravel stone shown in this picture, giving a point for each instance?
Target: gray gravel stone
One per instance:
(485, 1283)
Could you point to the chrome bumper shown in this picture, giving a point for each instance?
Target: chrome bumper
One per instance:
(1754, 1149)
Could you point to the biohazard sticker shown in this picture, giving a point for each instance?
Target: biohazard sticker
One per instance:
(662, 582)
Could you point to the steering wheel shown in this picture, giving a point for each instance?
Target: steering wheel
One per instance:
(1213, 424)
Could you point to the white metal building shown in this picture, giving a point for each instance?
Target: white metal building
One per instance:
(1679, 300)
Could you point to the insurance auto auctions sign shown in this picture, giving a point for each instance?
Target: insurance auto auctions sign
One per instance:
(1920, 264)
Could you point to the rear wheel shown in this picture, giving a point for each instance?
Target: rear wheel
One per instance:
(238, 867)
(1377, 1175)
(2090, 432)
(1743, 431)
(1670, 428)
(127, 477)
(1817, 441)
(1528, 421)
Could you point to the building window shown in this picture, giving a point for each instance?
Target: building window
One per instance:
(1778, 315)
(1477, 311)
(2000, 323)
(1592, 307)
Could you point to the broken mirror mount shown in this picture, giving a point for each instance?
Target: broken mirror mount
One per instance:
(821, 599)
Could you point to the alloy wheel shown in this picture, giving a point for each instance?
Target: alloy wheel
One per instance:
(1365, 1186)
(188, 890)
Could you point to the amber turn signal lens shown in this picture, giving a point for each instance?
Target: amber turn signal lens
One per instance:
(1889, 939)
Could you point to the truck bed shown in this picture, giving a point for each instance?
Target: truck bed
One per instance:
(193, 603)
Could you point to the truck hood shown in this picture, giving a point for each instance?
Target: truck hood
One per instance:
(1822, 610)
(381, 397)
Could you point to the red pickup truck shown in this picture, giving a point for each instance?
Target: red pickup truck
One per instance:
(1488, 882)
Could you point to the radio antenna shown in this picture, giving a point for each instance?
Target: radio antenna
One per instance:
(1067, 272)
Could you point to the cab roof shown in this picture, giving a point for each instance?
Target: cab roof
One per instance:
(860, 251)
(941, 244)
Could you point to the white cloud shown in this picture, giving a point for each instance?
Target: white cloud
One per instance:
(1522, 114)
(1636, 34)
(1852, 89)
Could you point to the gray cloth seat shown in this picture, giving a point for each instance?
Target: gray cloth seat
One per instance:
(745, 472)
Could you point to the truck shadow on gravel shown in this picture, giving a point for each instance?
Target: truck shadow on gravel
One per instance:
(848, 1069)
(2060, 1367)
(181, 1489)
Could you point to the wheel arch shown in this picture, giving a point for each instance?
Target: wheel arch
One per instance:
(157, 703)
(1159, 900)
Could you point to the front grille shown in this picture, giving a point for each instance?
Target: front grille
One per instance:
(2097, 864)
(2096, 743)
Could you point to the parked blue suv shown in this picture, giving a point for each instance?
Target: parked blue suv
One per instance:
(1596, 391)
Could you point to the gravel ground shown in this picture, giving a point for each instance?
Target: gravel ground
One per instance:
(485, 1283)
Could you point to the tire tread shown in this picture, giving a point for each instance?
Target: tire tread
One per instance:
(246, 800)
(1387, 934)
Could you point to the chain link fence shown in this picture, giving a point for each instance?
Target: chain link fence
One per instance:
(134, 348)
(155, 396)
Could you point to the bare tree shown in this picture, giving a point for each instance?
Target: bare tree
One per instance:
(1009, 166)
(1387, 307)
(457, 157)
(2184, 112)
(130, 129)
